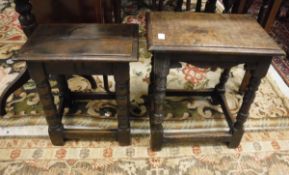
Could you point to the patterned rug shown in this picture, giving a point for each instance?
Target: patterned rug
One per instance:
(259, 153)
(280, 32)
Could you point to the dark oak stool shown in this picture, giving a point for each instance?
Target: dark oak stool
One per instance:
(66, 49)
(206, 40)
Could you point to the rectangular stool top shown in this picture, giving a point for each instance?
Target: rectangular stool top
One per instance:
(82, 42)
(209, 33)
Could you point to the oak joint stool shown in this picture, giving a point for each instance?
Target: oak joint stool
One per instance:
(86, 49)
(217, 40)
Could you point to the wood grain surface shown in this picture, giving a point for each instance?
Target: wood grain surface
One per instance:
(102, 42)
(203, 32)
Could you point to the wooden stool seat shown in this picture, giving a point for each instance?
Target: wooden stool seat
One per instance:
(217, 40)
(86, 49)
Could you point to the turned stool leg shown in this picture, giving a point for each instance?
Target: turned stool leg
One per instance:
(26, 18)
(223, 80)
(64, 93)
(211, 6)
(151, 88)
(199, 6)
(228, 4)
(256, 75)
(245, 82)
(121, 75)
(55, 127)
(188, 5)
(91, 80)
(160, 69)
(151, 85)
(220, 87)
(106, 84)
(179, 5)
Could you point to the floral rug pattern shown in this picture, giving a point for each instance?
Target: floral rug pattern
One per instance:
(259, 153)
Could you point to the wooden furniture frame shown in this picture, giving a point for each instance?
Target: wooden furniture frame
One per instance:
(84, 49)
(266, 15)
(200, 41)
(28, 23)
